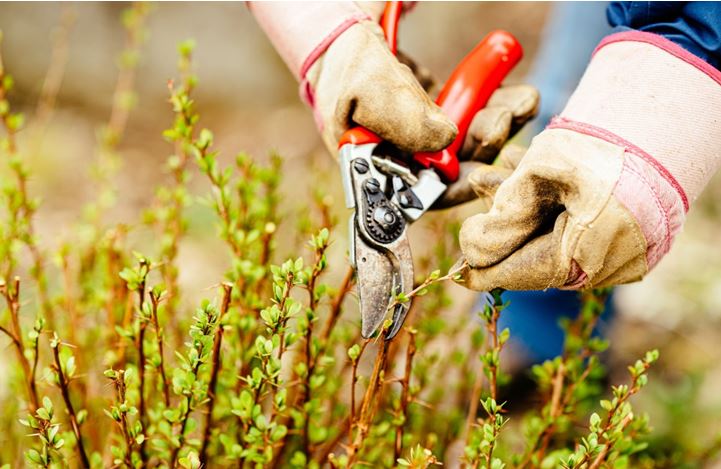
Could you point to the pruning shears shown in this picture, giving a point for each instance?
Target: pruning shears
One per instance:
(387, 195)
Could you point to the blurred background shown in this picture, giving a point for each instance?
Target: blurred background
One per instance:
(250, 101)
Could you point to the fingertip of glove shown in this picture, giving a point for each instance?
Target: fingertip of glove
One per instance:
(486, 179)
(442, 130)
(522, 100)
(434, 133)
(469, 277)
(481, 242)
(468, 239)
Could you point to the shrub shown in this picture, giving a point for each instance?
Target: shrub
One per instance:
(112, 367)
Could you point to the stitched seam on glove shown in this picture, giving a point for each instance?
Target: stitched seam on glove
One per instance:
(653, 255)
(588, 129)
(663, 44)
(306, 89)
(593, 279)
(328, 40)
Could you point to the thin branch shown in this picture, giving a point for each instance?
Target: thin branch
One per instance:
(141, 356)
(405, 393)
(336, 307)
(155, 302)
(371, 397)
(217, 364)
(354, 380)
(58, 62)
(12, 298)
(64, 385)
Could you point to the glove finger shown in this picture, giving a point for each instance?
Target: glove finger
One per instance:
(390, 102)
(486, 135)
(492, 127)
(485, 179)
(462, 190)
(422, 74)
(521, 100)
(510, 156)
(535, 266)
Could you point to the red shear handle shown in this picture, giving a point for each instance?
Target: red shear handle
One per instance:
(389, 23)
(467, 91)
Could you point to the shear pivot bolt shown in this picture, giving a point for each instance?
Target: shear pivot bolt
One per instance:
(360, 165)
(385, 218)
(372, 186)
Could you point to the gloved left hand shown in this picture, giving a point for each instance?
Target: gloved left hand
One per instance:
(601, 193)
(485, 159)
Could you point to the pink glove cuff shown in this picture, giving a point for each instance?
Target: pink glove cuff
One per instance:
(664, 44)
(658, 204)
(662, 105)
(302, 31)
(659, 97)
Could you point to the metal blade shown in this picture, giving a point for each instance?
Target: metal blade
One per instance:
(381, 276)
(379, 242)
(402, 283)
(375, 282)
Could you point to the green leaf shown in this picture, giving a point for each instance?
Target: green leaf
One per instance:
(354, 352)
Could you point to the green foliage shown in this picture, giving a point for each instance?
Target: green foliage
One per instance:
(271, 371)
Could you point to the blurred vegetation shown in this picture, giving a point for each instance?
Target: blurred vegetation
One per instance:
(113, 362)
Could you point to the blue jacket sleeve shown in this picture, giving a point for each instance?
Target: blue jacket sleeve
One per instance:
(695, 26)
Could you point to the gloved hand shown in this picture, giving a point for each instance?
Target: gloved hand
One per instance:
(508, 109)
(350, 77)
(601, 193)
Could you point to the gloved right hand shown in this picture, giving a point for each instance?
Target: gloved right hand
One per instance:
(350, 77)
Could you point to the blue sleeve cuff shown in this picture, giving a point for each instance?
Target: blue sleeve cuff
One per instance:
(695, 26)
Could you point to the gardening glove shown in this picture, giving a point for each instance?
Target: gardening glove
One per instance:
(484, 152)
(602, 192)
(350, 77)
(485, 159)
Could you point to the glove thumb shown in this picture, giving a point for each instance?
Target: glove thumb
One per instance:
(485, 179)
(397, 108)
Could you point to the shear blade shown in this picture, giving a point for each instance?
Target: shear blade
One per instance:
(381, 276)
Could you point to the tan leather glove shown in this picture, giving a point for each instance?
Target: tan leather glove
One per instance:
(349, 76)
(359, 81)
(601, 193)
(508, 109)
